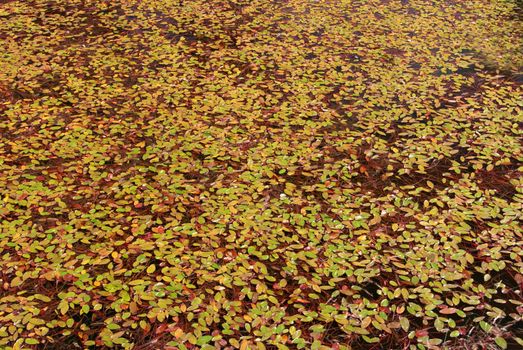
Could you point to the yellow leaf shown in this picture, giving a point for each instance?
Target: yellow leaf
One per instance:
(244, 345)
(366, 322)
(178, 333)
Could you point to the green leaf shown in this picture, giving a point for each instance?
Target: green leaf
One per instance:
(405, 324)
(485, 326)
(63, 307)
(113, 326)
(435, 341)
(501, 342)
(370, 340)
(204, 339)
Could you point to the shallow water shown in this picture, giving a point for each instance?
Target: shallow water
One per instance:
(262, 174)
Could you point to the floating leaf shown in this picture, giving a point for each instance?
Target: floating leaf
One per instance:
(501, 342)
(259, 173)
(405, 324)
(151, 269)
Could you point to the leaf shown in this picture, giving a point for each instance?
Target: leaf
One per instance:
(435, 341)
(15, 282)
(485, 326)
(113, 326)
(370, 340)
(501, 342)
(63, 307)
(244, 344)
(151, 269)
(178, 333)
(204, 339)
(405, 324)
(17, 345)
(448, 311)
(366, 322)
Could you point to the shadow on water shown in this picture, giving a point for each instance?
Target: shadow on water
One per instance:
(519, 8)
(514, 70)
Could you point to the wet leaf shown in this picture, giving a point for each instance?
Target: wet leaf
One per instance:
(501, 342)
